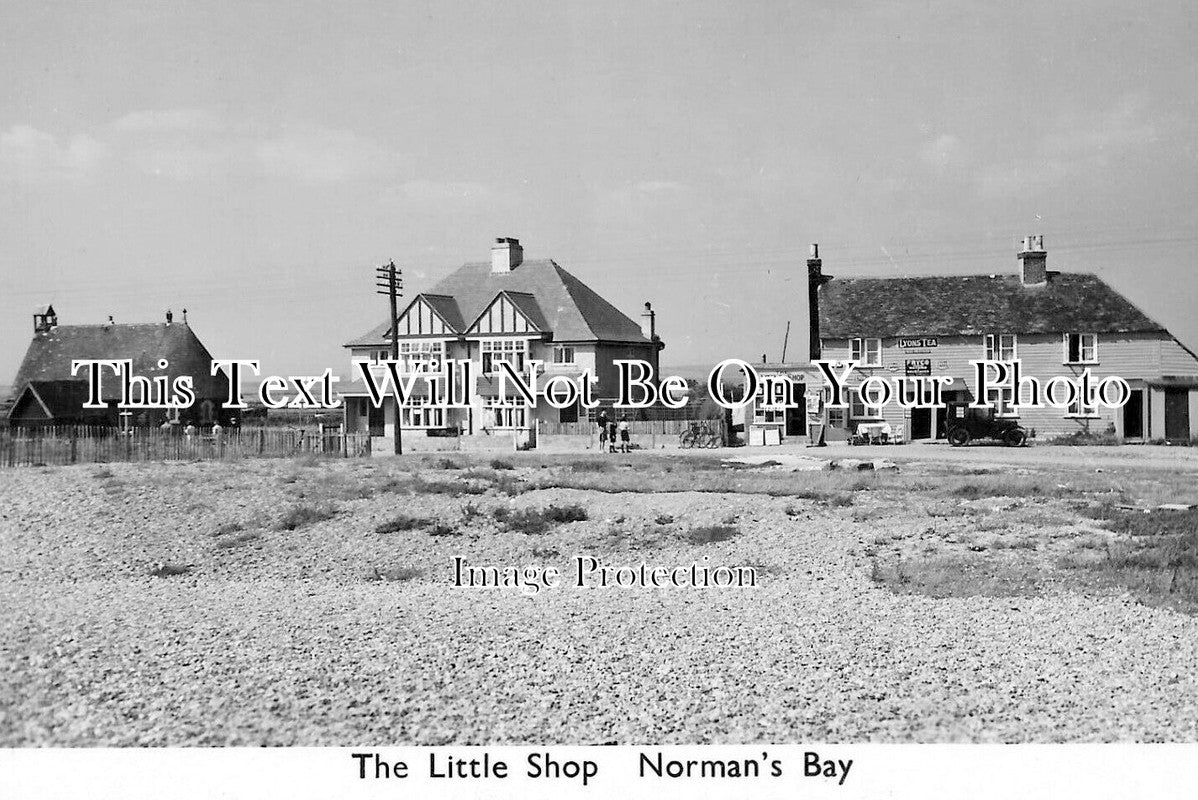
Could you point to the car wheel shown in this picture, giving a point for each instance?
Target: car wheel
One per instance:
(1015, 437)
(958, 437)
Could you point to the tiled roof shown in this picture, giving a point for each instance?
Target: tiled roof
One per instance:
(571, 310)
(50, 354)
(974, 304)
(60, 399)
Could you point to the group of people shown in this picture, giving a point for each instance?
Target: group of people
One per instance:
(609, 429)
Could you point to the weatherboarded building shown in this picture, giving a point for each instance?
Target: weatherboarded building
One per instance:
(47, 394)
(1055, 323)
(506, 309)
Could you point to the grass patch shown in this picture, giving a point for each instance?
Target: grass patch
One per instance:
(401, 522)
(442, 529)
(590, 465)
(1085, 439)
(959, 576)
(170, 570)
(455, 488)
(1156, 558)
(538, 521)
(500, 464)
(236, 541)
(229, 528)
(395, 574)
(103, 473)
(300, 516)
(707, 534)
(447, 463)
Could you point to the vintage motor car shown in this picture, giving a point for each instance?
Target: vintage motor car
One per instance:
(966, 424)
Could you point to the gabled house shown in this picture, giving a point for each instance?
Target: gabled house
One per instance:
(506, 309)
(1055, 323)
(46, 393)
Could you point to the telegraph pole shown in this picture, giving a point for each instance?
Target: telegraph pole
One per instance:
(390, 283)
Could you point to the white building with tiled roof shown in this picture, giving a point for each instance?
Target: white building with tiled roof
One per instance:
(507, 309)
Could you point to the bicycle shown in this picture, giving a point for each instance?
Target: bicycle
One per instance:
(700, 434)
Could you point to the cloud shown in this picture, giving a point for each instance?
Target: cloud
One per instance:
(30, 155)
(189, 144)
(169, 120)
(321, 155)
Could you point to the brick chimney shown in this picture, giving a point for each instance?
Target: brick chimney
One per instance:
(649, 322)
(1033, 261)
(506, 255)
(815, 279)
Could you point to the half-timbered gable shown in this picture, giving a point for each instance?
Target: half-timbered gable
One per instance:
(510, 313)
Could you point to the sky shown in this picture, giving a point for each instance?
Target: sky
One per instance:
(253, 162)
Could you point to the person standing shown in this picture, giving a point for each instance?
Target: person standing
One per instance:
(601, 421)
(625, 439)
(611, 436)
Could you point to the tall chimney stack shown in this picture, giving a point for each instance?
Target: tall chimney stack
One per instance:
(815, 279)
(506, 255)
(649, 323)
(1033, 262)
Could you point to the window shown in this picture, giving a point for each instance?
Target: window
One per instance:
(1076, 409)
(509, 416)
(421, 356)
(569, 414)
(1003, 403)
(868, 352)
(423, 417)
(1000, 347)
(513, 351)
(765, 413)
(563, 354)
(858, 408)
(1081, 348)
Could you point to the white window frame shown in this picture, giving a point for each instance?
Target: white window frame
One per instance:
(1077, 411)
(563, 350)
(859, 350)
(1081, 348)
(1001, 347)
(859, 409)
(511, 349)
(508, 417)
(422, 416)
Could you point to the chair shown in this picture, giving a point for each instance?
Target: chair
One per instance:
(896, 435)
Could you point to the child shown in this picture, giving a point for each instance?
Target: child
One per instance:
(601, 421)
(625, 442)
(611, 436)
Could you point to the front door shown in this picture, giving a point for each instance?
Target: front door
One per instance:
(921, 423)
(1177, 415)
(1133, 415)
(796, 416)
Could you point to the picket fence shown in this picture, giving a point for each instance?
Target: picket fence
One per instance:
(81, 444)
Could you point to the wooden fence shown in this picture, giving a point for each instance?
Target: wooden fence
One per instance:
(95, 445)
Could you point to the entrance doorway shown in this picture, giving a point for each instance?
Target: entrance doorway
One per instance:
(796, 418)
(921, 423)
(1133, 415)
(1177, 415)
